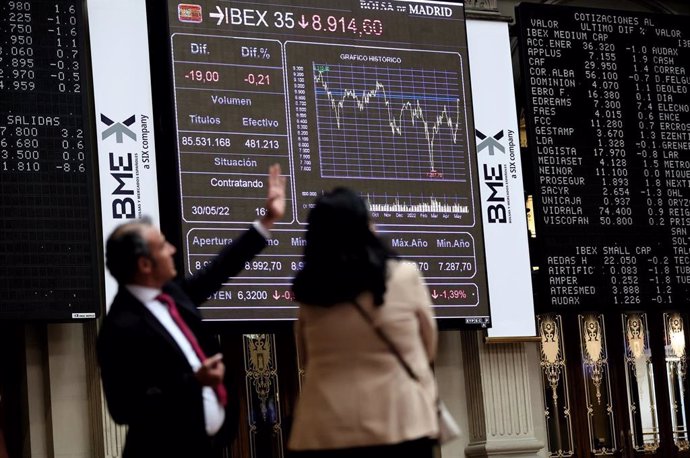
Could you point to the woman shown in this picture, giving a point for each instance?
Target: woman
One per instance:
(357, 399)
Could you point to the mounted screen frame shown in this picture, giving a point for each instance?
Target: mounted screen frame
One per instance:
(50, 252)
(284, 55)
(607, 123)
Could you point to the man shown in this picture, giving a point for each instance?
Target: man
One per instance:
(161, 371)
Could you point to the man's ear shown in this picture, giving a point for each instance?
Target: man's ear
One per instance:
(144, 265)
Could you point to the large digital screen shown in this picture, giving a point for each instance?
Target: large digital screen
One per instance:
(49, 238)
(373, 95)
(608, 114)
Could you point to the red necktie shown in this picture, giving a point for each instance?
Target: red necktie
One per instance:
(220, 390)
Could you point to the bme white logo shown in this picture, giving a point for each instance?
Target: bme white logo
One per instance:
(493, 177)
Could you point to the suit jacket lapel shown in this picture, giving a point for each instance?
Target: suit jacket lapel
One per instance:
(136, 307)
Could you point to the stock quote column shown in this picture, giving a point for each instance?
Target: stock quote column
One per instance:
(609, 131)
(369, 95)
(48, 249)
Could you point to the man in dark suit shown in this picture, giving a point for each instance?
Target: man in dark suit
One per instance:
(161, 370)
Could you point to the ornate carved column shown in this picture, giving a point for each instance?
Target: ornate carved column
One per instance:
(502, 409)
(482, 5)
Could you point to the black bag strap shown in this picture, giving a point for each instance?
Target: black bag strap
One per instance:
(387, 340)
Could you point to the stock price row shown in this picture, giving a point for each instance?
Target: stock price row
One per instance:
(276, 301)
(609, 126)
(439, 255)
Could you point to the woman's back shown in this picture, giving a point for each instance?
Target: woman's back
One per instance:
(356, 392)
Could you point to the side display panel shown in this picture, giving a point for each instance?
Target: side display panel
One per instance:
(608, 114)
(49, 267)
(369, 95)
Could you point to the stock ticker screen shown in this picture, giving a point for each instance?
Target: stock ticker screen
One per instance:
(373, 95)
(609, 127)
(49, 263)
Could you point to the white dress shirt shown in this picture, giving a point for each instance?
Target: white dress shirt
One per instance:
(214, 413)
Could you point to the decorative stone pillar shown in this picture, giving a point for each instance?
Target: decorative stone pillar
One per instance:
(108, 437)
(58, 407)
(112, 441)
(502, 408)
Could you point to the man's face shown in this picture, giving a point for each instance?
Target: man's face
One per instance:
(162, 267)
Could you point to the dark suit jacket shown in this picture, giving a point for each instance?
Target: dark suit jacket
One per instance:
(147, 380)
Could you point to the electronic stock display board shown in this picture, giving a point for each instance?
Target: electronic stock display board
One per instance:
(372, 95)
(49, 267)
(608, 114)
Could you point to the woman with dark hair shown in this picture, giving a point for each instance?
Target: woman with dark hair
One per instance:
(358, 399)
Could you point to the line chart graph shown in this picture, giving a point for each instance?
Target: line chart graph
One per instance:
(390, 123)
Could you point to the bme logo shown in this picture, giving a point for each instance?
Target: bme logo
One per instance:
(118, 129)
(121, 167)
(493, 177)
(490, 142)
